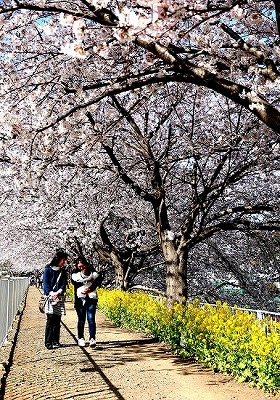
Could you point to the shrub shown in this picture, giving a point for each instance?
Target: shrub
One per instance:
(225, 339)
(70, 292)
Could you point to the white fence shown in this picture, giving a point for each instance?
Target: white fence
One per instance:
(12, 291)
(261, 314)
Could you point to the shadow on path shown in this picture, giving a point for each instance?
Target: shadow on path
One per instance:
(95, 367)
(125, 343)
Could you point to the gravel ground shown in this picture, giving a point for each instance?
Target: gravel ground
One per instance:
(125, 365)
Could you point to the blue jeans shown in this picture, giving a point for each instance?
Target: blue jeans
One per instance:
(87, 310)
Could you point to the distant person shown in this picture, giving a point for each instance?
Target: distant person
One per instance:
(54, 286)
(41, 281)
(85, 281)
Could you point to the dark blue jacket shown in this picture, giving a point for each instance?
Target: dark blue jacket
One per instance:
(50, 277)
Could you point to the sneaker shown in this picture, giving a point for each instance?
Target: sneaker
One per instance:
(92, 343)
(56, 345)
(49, 346)
(81, 342)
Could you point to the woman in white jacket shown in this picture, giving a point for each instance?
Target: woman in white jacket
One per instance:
(85, 282)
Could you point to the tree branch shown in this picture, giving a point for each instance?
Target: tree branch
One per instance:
(271, 71)
(235, 225)
(242, 209)
(144, 148)
(240, 94)
(122, 174)
(103, 16)
(277, 10)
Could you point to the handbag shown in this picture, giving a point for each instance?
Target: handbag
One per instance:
(42, 303)
(44, 299)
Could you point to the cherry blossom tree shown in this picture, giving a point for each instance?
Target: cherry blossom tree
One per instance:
(162, 152)
(154, 152)
(76, 54)
(62, 66)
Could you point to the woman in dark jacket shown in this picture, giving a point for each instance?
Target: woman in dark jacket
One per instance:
(54, 286)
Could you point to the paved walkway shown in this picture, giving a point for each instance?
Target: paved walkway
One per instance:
(125, 365)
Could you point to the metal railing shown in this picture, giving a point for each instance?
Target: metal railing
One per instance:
(259, 314)
(12, 290)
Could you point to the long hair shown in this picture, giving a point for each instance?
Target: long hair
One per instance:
(59, 255)
(84, 261)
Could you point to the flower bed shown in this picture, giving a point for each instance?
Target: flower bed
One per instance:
(225, 339)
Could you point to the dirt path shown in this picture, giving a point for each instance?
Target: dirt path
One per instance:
(125, 365)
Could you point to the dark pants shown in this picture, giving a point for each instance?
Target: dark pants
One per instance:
(52, 332)
(87, 310)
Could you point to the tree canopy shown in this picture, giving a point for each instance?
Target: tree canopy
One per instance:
(165, 111)
(231, 47)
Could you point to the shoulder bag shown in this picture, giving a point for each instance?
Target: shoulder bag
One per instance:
(44, 299)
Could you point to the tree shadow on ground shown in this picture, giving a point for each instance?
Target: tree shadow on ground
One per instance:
(140, 350)
(125, 343)
(96, 368)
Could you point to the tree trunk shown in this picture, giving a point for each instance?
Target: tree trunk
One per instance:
(121, 281)
(175, 277)
(120, 265)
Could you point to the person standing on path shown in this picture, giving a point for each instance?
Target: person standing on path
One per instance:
(85, 281)
(54, 286)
